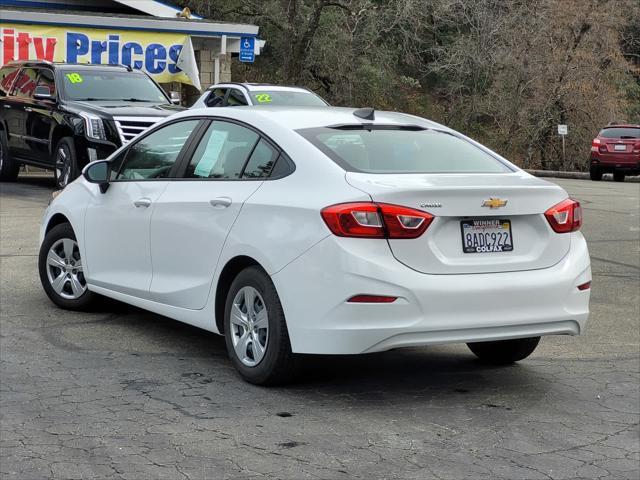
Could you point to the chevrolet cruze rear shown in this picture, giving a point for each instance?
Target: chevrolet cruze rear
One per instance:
(324, 231)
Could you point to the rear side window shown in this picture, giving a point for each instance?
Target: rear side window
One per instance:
(222, 152)
(261, 161)
(620, 133)
(284, 166)
(402, 150)
(7, 76)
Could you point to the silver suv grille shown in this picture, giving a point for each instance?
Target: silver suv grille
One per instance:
(131, 127)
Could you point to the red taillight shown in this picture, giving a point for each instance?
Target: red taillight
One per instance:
(584, 286)
(598, 146)
(565, 217)
(372, 299)
(375, 220)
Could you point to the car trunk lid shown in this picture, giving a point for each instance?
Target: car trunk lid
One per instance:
(456, 198)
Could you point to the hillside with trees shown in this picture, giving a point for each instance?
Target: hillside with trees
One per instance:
(504, 72)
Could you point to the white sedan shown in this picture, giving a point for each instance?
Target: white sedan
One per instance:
(321, 231)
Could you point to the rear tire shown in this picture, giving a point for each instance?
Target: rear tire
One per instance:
(618, 177)
(595, 174)
(61, 269)
(9, 168)
(65, 163)
(256, 332)
(504, 352)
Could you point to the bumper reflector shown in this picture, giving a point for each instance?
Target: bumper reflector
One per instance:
(372, 299)
(584, 286)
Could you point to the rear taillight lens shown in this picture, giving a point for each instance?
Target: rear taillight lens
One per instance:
(565, 217)
(375, 220)
(598, 146)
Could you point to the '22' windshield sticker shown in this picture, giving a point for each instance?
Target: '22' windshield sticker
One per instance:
(263, 98)
(74, 77)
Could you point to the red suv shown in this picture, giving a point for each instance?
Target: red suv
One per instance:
(616, 150)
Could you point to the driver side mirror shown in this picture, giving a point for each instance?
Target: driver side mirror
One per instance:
(175, 98)
(42, 92)
(98, 172)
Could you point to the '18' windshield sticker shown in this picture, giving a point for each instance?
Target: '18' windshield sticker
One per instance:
(74, 77)
(263, 98)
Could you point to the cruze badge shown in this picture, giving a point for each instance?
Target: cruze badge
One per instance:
(494, 203)
(431, 205)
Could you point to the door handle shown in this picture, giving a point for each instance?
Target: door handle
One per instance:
(28, 109)
(142, 202)
(220, 202)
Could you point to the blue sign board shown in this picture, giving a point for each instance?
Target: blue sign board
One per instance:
(247, 46)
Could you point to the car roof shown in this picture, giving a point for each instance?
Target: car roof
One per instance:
(295, 118)
(253, 87)
(621, 126)
(71, 66)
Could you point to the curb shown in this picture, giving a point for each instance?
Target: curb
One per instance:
(577, 175)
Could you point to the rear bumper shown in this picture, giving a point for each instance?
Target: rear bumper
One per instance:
(616, 163)
(430, 309)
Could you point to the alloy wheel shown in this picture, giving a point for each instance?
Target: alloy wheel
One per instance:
(64, 269)
(249, 326)
(63, 165)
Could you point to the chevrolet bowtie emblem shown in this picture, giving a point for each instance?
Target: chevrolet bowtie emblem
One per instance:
(494, 203)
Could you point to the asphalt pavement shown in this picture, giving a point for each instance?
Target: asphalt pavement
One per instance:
(122, 393)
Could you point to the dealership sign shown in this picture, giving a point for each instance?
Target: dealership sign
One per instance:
(156, 53)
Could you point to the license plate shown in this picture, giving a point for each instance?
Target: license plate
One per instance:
(620, 148)
(486, 236)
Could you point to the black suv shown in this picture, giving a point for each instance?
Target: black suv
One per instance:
(62, 116)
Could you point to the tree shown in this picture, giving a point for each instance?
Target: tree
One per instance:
(505, 72)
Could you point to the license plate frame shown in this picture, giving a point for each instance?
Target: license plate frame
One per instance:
(479, 228)
(619, 148)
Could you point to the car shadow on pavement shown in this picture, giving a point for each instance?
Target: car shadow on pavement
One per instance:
(410, 371)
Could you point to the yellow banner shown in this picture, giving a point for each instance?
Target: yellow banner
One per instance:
(153, 52)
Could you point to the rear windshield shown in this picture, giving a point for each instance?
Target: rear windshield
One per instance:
(628, 132)
(393, 150)
(287, 98)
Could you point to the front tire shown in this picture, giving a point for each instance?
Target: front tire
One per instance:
(65, 162)
(9, 168)
(504, 352)
(62, 271)
(595, 174)
(618, 177)
(256, 332)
